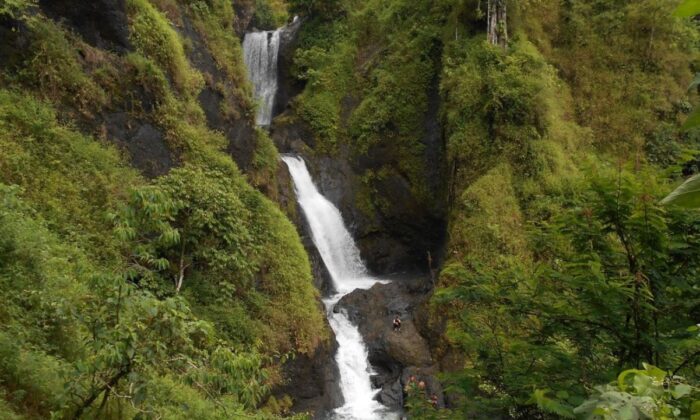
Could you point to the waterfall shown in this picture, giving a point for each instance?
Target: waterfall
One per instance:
(342, 258)
(260, 51)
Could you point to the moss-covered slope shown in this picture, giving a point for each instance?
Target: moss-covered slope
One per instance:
(143, 272)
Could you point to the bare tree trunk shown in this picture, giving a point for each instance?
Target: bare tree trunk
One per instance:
(497, 28)
(181, 274)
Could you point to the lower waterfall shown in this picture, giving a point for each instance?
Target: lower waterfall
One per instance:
(342, 259)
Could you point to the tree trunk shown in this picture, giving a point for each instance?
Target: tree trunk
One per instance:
(497, 28)
(96, 392)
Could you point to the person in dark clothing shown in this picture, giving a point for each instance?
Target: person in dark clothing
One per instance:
(397, 324)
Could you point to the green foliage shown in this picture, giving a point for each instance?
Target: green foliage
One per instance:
(320, 8)
(488, 220)
(648, 393)
(611, 286)
(506, 116)
(187, 220)
(370, 70)
(76, 338)
(263, 174)
(328, 76)
(209, 226)
(71, 179)
(153, 37)
(270, 14)
(688, 8)
(419, 405)
(636, 57)
(53, 68)
(214, 21)
(554, 281)
(15, 8)
(91, 326)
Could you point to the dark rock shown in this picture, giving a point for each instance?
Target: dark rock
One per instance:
(391, 395)
(288, 86)
(144, 142)
(390, 238)
(390, 352)
(101, 23)
(240, 131)
(15, 42)
(292, 136)
(313, 382)
(210, 101)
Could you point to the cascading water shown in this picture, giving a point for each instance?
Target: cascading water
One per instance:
(342, 258)
(260, 51)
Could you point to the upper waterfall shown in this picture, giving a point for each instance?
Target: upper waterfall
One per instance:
(260, 51)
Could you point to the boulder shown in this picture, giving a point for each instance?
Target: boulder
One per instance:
(393, 355)
(373, 310)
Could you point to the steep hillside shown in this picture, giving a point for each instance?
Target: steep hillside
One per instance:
(125, 295)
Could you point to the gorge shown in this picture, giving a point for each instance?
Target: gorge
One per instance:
(339, 254)
(213, 209)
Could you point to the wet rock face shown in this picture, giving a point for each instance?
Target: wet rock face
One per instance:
(390, 239)
(395, 356)
(101, 23)
(144, 142)
(288, 86)
(313, 381)
(240, 132)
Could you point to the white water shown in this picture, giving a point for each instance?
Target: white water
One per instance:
(260, 51)
(342, 258)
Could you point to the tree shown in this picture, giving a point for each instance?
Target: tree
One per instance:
(612, 287)
(192, 219)
(497, 25)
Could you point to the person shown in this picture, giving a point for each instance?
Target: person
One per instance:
(397, 324)
(434, 400)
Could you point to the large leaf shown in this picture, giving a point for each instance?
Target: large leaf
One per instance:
(696, 80)
(687, 195)
(688, 8)
(693, 119)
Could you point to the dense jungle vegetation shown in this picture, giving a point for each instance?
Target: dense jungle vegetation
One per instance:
(567, 289)
(562, 269)
(128, 297)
